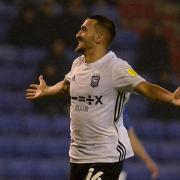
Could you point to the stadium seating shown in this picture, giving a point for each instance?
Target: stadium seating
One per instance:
(150, 128)
(4, 28)
(173, 129)
(35, 147)
(7, 11)
(137, 171)
(30, 56)
(35, 169)
(8, 55)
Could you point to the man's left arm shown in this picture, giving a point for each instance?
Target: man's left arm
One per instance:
(157, 93)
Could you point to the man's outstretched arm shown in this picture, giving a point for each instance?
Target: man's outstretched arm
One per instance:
(158, 93)
(37, 91)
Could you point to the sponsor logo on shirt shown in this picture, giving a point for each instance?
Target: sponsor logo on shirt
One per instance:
(90, 99)
(81, 108)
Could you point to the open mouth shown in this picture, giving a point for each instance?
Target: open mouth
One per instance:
(79, 40)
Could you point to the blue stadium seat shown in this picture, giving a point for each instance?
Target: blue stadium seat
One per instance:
(70, 54)
(7, 11)
(18, 168)
(52, 169)
(7, 147)
(108, 11)
(163, 150)
(30, 147)
(57, 147)
(137, 171)
(60, 126)
(169, 171)
(8, 55)
(127, 55)
(4, 28)
(2, 168)
(150, 128)
(173, 129)
(10, 124)
(41, 147)
(41, 169)
(30, 56)
(126, 40)
(37, 125)
(137, 107)
(169, 151)
(12, 77)
(14, 102)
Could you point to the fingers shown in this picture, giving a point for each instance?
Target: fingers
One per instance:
(40, 77)
(30, 90)
(34, 86)
(30, 94)
(155, 173)
(41, 80)
(154, 176)
(30, 97)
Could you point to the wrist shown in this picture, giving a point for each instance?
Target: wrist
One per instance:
(46, 91)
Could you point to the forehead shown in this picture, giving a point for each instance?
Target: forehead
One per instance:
(89, 23)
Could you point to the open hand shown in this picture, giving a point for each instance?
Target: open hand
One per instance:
(36, 91)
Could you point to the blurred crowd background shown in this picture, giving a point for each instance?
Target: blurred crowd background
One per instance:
(38, 37)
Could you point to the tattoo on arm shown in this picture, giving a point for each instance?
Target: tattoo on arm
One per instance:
(65, 88)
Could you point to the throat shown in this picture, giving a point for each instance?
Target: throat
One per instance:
(93, 57)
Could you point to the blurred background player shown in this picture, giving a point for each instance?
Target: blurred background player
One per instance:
(139, 149)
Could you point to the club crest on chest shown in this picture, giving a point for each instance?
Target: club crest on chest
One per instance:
(95, 80)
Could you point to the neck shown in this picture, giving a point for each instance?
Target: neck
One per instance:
(93, 55)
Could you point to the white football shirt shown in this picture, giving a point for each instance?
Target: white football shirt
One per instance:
(98, 93)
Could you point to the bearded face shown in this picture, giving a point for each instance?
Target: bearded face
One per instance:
(86, 36)
(81, 45)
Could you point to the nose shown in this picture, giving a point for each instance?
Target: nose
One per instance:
(78, 34)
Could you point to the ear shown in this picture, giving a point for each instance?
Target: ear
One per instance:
(99, 38)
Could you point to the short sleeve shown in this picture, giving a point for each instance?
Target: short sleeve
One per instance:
(68, 76)
(124, 78)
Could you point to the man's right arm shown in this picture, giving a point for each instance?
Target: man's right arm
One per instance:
(37, 91)
(59, 89)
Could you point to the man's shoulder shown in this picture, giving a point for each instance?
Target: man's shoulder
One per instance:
(119, 62)
(79, 60)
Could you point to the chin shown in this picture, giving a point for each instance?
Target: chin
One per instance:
(79, 50)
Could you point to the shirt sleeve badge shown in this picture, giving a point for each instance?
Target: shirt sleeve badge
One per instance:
(131, 72)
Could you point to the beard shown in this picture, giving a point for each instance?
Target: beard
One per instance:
(79, 49)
